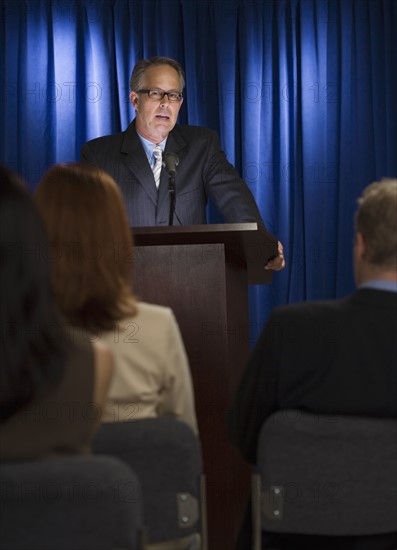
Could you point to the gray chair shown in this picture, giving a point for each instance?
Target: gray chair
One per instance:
(73, 502)
(325, 475)
(166, 455)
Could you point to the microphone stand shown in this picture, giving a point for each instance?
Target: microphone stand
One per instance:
(170, 162)
(171, 193)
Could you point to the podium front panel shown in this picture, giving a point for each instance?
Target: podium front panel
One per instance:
(207, 289)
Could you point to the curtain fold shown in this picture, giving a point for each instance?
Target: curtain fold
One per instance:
(302, 92)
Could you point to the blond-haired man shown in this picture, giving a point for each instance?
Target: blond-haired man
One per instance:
(332, 357)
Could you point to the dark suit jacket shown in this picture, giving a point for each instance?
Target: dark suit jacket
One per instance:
(203, 172)
(330, 357)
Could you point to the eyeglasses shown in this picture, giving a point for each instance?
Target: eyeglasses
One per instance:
(159, 94)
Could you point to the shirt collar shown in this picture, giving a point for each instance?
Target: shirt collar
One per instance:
(149, 146)
(380, 284)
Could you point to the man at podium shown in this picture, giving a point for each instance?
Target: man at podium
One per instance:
(145, 158)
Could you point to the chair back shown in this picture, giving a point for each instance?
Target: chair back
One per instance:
(166, 455)
(82, 502)
(326, 475)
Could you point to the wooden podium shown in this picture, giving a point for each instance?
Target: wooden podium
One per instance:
(202, 272)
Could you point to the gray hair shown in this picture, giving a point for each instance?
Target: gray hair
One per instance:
(142, 65)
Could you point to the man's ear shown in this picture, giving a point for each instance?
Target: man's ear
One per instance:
(360, 246)
(134, 99)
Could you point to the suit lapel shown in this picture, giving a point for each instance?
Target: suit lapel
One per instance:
(134, 158)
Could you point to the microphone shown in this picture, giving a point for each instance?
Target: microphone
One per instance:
(170, 162)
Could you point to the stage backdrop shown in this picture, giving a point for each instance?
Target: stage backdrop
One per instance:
(302, 92)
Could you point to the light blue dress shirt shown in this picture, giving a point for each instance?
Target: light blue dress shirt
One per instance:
(380, 284)
(149, 147)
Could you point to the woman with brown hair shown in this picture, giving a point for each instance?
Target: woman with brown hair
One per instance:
(52, 386)
(87, 224)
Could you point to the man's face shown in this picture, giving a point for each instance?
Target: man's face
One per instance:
(156, 118)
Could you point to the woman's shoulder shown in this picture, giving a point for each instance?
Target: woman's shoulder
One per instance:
(154, 311)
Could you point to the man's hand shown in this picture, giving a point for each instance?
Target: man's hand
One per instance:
(278, 262)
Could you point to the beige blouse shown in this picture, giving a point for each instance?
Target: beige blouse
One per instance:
(152, 375)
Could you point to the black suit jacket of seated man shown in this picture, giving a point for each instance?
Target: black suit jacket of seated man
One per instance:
(326, 357)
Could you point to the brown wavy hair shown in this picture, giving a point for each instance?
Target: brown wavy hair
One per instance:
(91, 245)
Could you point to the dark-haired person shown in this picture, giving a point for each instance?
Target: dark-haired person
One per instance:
(52, 387)
(203, 171)
(87, 224)
(331, 357)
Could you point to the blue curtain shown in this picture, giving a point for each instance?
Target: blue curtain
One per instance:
(302, 92)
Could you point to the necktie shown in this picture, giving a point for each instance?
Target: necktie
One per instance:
(157, 153)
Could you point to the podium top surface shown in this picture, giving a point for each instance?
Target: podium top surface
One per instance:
(248, 241)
